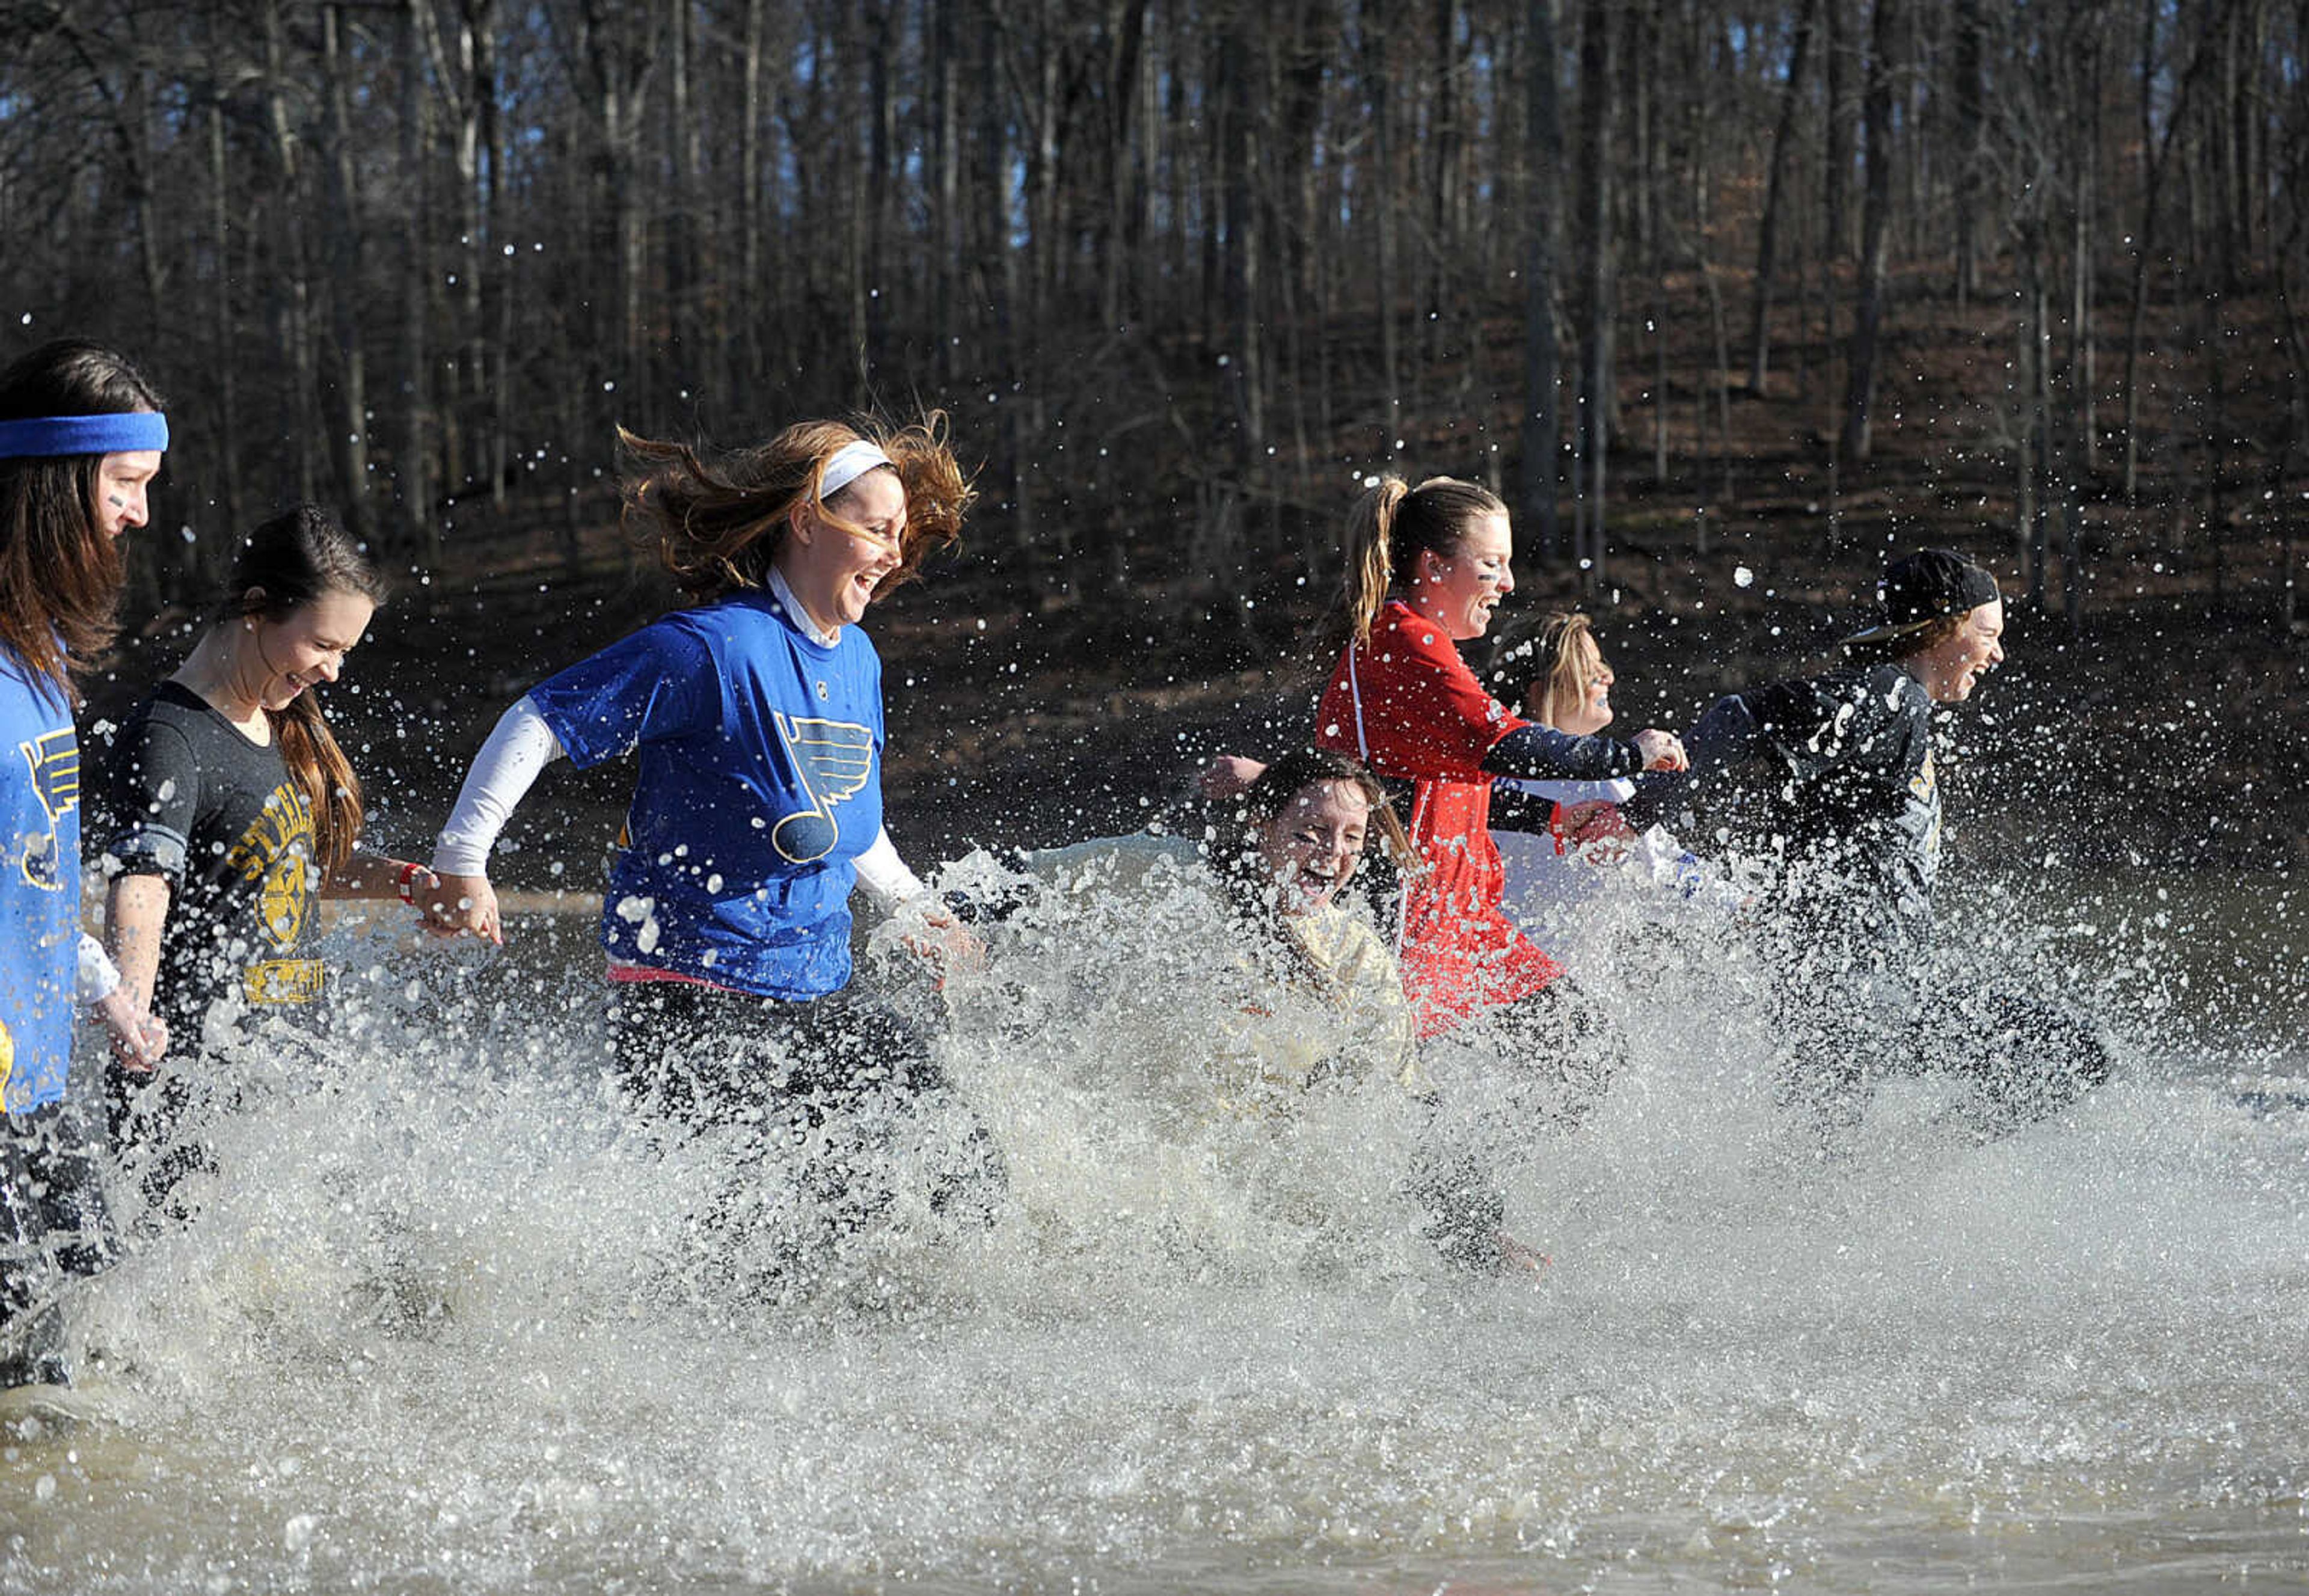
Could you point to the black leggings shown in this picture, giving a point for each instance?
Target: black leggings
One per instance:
(52, 1230)
(842, 1079)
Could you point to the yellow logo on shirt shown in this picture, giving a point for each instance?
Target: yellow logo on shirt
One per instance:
(279, 981)
(7, 1069)
(277, 849)
(54, 763)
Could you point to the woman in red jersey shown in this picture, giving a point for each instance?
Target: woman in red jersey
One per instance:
(1426, 567)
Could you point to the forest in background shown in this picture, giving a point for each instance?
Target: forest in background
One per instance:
(1693, 282)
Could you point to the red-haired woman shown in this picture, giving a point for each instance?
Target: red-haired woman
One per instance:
(755, 719)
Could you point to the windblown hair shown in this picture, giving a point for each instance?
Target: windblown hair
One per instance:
(60, 576)
(1390, 527)
(718, 523)
(287, 562)
(1562, 655)
(1900, 646)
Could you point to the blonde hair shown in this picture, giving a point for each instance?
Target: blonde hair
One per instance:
(1390, 527)
(718, 524)
(1564, 655)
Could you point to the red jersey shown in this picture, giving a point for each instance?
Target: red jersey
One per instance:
(1409, 707)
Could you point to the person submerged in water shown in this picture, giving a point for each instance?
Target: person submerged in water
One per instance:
(1315, 997)
(1844, 761)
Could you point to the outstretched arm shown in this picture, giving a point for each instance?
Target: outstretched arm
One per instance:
(135, 912)
(1726, 737)
(509, 763)
(1540, 751)
(375, 875)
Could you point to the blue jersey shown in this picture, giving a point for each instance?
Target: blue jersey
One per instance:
(40, 885)
(760, 784)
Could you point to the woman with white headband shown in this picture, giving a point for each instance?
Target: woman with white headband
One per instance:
(81, 437)
(755, 719)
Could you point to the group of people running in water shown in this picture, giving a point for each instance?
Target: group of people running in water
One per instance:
(224, 808)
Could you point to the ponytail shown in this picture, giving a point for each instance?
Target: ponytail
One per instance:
(323, 774)
(1390, 527)
(1371, 559)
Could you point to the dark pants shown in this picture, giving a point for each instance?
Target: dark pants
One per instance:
(842, 1087)
(1848, 1019)
(155, 1124)
(52, 1231)
(1562, 1046)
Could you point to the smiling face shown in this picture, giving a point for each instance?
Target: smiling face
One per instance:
(1576, 697)
(1310, 850)
(1952, 668)
(834, 572)
(279, 659)
(1459, 592)
(121, 481)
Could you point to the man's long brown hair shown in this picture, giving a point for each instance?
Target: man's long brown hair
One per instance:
(60, 576)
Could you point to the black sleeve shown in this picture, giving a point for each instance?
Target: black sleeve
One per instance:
(1725, 738)
(152, 799)
(1515, 810)
(1542, 752)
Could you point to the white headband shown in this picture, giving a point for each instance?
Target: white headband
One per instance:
(849, 461)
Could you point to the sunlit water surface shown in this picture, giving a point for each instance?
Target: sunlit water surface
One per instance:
(444, 1322)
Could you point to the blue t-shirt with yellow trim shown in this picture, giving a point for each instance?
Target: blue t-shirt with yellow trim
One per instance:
(760, 750)
(40, 885)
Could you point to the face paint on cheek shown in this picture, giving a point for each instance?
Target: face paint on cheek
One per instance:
(115, 501)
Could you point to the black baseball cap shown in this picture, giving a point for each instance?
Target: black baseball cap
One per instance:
(1919, 588)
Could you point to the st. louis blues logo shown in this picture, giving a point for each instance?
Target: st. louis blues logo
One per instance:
(55, 762)
(833, 758)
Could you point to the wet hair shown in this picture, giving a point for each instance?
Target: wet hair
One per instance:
(717, 523)
(1905, 645)
(60, 576)
(1242, 817)
(1390, 527)
(1236, 833)
(286, 563)
(1557, 657)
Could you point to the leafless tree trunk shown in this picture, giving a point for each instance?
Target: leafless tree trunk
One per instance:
(1860, 379)
(1544, 202)
(1768, 227)
(1596, 60)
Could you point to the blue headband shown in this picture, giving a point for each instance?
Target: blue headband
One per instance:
(122, 433)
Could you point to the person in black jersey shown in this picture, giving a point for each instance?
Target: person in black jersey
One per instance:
(231, 810)
(1843, 762)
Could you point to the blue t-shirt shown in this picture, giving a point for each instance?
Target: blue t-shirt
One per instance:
(760, 785)
(40, 885)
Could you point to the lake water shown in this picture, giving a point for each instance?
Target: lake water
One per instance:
(444, 1322)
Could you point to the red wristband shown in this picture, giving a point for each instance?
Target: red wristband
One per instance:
(402, 884)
